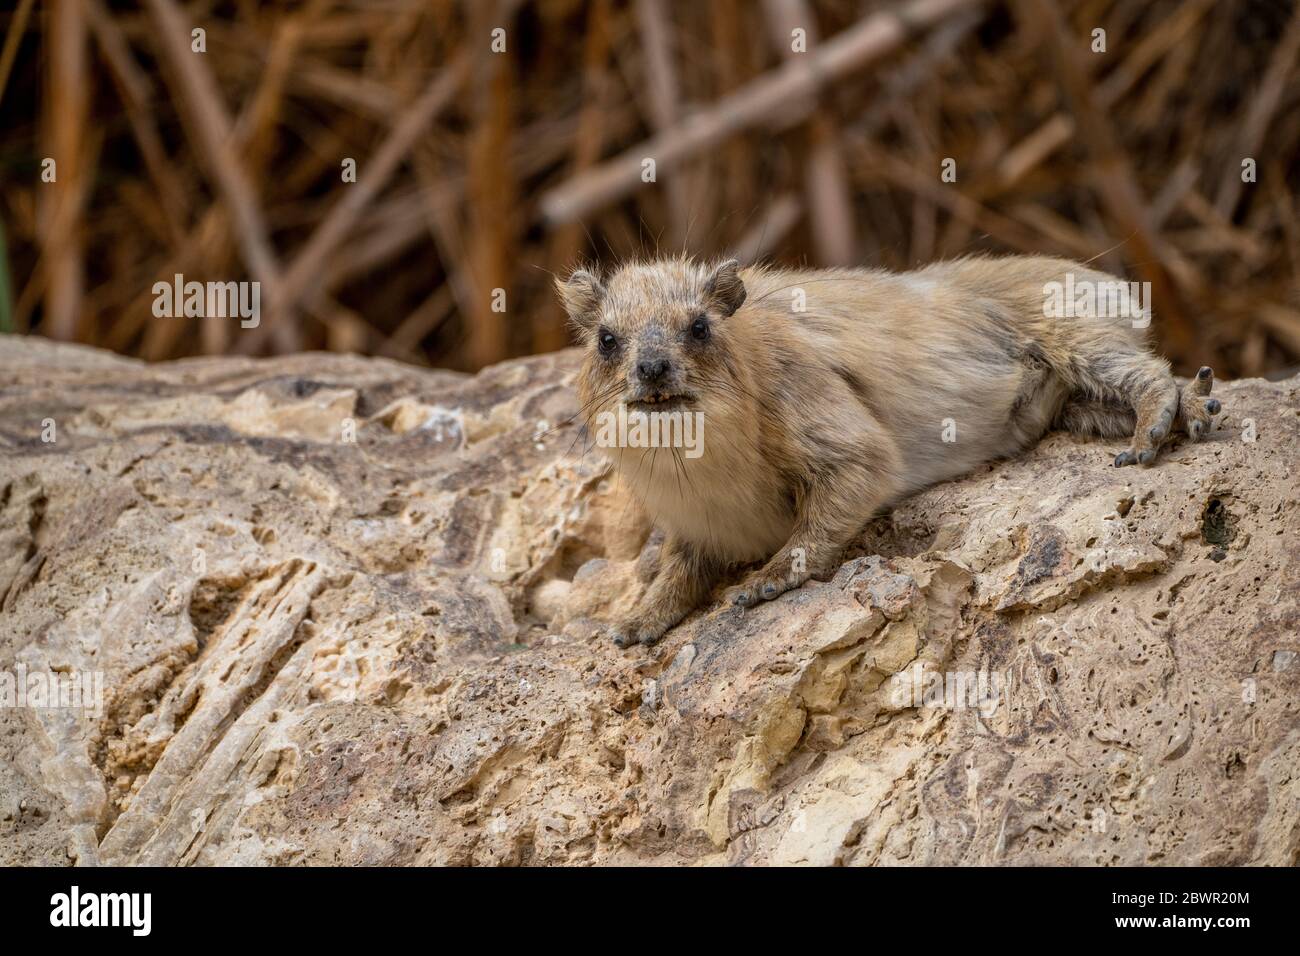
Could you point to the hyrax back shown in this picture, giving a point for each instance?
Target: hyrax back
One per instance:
(827, 394)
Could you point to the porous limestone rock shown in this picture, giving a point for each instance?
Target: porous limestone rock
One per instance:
(347, 611)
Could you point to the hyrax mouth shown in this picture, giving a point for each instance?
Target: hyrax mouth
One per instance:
(659, 402)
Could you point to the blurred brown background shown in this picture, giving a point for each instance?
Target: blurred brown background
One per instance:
(479, 170)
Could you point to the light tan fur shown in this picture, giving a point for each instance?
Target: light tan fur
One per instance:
(815, 419)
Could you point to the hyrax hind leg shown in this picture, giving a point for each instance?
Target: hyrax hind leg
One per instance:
(1134, 388)
(1153, 395)
(1130, 376)
(1090, 416)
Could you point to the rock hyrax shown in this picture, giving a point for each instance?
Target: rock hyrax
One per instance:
(826, 395)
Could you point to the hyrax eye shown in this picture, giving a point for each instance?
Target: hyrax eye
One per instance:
(700, 328)
(606, 342)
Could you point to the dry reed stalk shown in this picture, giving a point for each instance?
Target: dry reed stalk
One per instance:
(480, 171)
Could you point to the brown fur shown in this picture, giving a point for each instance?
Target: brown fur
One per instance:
(815, 419)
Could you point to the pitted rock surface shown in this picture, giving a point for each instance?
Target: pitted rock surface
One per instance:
(347, 611)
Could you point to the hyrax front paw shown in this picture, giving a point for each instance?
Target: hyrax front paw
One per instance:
(630, 631)
(1195, 410)
(767, 583)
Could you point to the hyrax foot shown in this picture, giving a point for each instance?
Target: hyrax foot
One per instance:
(1155, 420)
(1192, 413)
(767, 583)
(1195, 411)
(629, 632)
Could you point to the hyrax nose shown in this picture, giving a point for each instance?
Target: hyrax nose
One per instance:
(652, 371)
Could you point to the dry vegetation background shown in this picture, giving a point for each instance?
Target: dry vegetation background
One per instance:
(479, 171)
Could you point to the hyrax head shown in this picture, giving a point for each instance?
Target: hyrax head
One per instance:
(656, 334)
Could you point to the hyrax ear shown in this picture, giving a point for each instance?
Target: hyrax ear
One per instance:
(581, 294)
(724, 289)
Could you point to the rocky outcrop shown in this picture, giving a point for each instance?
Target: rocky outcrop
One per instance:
(345, 611)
